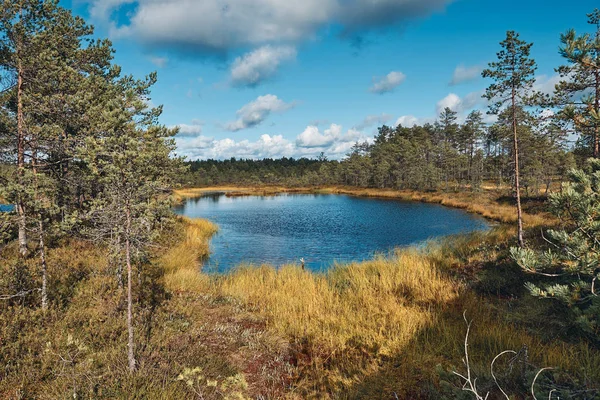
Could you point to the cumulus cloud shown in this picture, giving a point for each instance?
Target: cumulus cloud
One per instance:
(388, 82)
(255, 112)
(460, 104)
(259, 65)
(217, 26)
(313, 138)
(357, 15)
(464, 74)
(546, 84)
(407, 121)
(372, 120)
(266, 146)
(333, 141)
(193, 130)
(452, 101)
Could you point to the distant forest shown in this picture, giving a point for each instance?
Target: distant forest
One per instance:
(442, 155)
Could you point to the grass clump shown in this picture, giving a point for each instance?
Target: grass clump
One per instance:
(376, 305)
(186, 250)
(77, 348)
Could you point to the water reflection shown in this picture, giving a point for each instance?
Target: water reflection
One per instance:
(320, 228)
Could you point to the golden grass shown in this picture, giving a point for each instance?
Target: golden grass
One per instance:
(378, 304)
(182, 261)
(382, 326)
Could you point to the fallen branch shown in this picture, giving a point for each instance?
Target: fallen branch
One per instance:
(20, 294)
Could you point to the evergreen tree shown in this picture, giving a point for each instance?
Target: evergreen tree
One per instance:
(579, 91)
(48, 62)
(572, 259)
(513, 76)
(470, 136)
(131, 162)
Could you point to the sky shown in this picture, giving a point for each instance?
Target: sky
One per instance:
(294, 78)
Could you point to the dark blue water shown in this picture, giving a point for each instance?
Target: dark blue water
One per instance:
(6, 208)
(320, 228)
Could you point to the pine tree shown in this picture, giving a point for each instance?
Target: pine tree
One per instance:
(49, 63)
(470, 135)
(579, 91)
(513, 74)
(132, 164)
(448, 129)
(572, 259)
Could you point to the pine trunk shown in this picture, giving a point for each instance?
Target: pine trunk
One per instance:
(21, 164)
(44, 265)
(597, 109)
(130, 342)
(516, 159)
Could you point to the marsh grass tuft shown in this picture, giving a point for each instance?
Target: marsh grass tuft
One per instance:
(181, 262)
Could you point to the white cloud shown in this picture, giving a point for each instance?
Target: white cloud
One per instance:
(458, 104)
(255, 112)
(160, 62)
(266, 146)
(334, 142)
(407, 121)
(546, 84)
(259, 65)
(193, 130)
(465, 74)
(218, 26)
(372, 120)
(452, 101)
(388, 83)
(313, 138)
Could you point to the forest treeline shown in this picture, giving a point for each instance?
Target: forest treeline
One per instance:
(443, 155)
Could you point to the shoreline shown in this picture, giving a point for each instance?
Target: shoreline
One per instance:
(489, 204)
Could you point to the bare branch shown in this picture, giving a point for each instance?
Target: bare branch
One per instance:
(492, 370)
(20, 294)
(535, 379)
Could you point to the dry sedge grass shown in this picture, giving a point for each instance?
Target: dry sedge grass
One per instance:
(181, 262)
(377, 305)
(382, 326)
(375, 329)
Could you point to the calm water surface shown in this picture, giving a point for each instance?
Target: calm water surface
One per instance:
(320, 228)
(6, 207)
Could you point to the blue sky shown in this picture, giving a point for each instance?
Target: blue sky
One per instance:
(272, 78)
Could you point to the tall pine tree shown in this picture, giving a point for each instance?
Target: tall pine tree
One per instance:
(513, 76)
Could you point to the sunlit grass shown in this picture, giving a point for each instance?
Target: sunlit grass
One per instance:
(406, 308)
(182, 261)
(378, 305)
